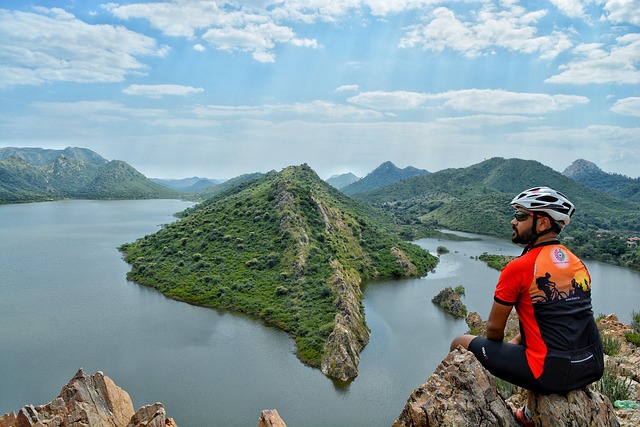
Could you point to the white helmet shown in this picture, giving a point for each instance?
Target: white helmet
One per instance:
(545, 199)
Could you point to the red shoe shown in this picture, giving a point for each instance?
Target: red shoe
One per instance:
(522, 419)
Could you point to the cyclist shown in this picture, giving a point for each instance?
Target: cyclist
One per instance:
(558, 348)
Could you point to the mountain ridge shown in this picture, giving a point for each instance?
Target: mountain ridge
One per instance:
(35, 174)
(385, 174)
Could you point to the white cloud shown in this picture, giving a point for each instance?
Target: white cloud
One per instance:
(52, 45)
(157, 91)
(398, 100)
(510, 27)
(235, 27)
(623, 11)
(198, 47)
(480, 100)
(627, 106)
(313, 111)
(484, 120)
(180, 18)
(505, 102)
(619, 65)
(571, 8)
(347, 88)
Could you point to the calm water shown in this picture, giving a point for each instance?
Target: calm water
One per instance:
(65, 304)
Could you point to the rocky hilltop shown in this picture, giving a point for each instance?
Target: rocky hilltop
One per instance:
(288, 248)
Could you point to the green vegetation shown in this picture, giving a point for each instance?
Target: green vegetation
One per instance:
(270, 248)
(610, 345)
(497, 262)
(440, 250)
(634, 336)
(476, 200)
(613, 385)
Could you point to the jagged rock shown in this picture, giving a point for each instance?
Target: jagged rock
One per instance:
(582, 407)
(270, 418)
(460, 392)
(341, 352)
(151, 416)
(89, 400)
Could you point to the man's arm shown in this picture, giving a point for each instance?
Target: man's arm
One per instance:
(497, 321)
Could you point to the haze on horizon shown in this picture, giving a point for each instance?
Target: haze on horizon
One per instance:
(217, 89)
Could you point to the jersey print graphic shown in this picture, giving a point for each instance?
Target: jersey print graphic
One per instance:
(559, 282)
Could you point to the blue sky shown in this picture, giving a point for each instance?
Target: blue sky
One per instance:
(216, 89)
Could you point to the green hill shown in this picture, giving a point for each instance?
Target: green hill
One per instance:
(589, 174)
(476, 199)
(288, 248)
(34, 174)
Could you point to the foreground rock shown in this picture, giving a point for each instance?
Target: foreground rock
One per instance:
(583, 407)
(88, 400)
(461, 392)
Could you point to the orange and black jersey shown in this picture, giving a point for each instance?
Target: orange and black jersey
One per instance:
(550, 288)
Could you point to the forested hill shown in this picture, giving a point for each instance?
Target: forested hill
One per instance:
(35, 174)
(591, 175)
(476, 199)
(286, 247)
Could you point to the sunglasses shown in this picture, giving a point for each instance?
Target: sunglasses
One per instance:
(521, 216)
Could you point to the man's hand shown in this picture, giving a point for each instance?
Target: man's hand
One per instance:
(517, 340)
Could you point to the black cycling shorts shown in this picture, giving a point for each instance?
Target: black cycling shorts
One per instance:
(563, 371)
(506, 361)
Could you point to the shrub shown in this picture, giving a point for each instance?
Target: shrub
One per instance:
(632, 337)
(610, 345)
(612, 385)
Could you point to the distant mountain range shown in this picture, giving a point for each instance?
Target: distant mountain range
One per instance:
(476, 199)
(385, 174)
(341, 181)
(188, 185)
(36, 174)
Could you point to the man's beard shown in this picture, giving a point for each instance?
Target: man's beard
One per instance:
(521, 238)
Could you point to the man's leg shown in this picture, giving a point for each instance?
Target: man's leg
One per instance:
(463, 340)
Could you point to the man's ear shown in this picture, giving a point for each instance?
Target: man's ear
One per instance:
(544, 223)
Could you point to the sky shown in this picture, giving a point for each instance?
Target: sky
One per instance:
(216, 89)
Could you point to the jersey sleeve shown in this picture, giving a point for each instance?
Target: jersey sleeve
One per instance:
(513, 281)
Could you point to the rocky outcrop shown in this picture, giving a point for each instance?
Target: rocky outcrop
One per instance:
(341, 352)
(461, 392)
(88, 400)
(583, 407)
(450, 301)
(151, 416)
(270, 418)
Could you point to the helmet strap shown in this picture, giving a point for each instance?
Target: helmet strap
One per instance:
(534, 234)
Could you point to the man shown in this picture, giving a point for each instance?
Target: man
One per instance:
(558, 348)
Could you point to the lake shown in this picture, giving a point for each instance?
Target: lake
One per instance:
(65, 303)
